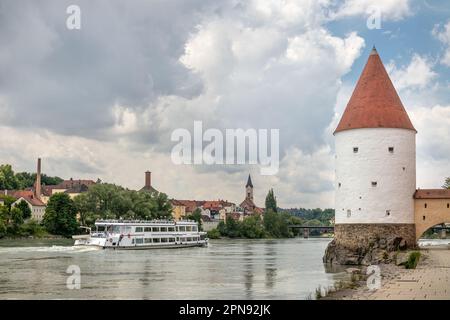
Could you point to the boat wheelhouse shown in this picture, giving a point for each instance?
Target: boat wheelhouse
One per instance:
(142, 234)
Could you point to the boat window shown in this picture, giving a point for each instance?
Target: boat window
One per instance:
(156, 240)
(171, 229)
(147, 229)
(139, 241)
(188, 228)
(155, 229)
(132, 241)
(126, 229)
(139, 229)
(189, 239)
(171, 239)
(181, 228)
(116, 229)
(163, 229)
(148, 240)
(163, 239)
(194, 228)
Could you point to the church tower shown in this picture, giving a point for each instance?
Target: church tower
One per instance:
(249, 189)
(375, 166)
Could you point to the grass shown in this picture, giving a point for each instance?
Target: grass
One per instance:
(413, 260)
(321, 292)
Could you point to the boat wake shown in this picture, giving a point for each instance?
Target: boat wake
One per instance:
(60, 249)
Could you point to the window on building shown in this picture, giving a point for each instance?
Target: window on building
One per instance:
(355, 149)
(391, 149)
(139, 229)
(339, 185)
(349, 213)
(155, 229)
(147, 229)
(404, 168)
(423, 218)
(374, 183)
(425, 205)
(181, 228)
(359, 209)
(163, 229)
(448, 205)
(188, 228)
(388, 212)
(171, 229)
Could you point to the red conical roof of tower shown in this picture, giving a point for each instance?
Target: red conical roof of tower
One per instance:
(374, 102)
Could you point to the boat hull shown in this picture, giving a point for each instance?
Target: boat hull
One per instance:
(105, 245)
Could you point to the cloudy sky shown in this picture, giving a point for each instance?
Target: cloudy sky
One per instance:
(102, 101)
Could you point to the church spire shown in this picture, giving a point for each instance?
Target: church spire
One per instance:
(249, 182)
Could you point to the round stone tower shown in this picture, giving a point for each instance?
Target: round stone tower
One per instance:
(375, 172)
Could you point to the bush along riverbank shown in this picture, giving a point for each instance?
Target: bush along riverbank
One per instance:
(272, 225)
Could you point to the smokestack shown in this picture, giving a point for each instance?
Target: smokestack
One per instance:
(148, 179)
(37, 188)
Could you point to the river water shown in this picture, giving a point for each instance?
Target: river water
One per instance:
(226, 269)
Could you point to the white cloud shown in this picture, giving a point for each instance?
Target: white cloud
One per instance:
(443, 34)
(433, 144)
(418, 74)
(390, 9)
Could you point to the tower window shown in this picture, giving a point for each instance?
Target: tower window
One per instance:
(374, 183)
(423, 218)
(448, 205)
(425, 205)
(388, 212)
(349, 213)
(339, 184)
(391, 149)
(404, 168)
(355, 149)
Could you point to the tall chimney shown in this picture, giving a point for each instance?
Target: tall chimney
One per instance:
(148, 179)
(37, 188)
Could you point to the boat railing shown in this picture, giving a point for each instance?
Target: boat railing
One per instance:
(142, 221)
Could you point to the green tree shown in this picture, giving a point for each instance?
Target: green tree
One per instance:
(24, 208)
(252, 227)
(197, 217)
(7, 178)
(16, 217)
(446, 183)
(60, 215)
(277, 224)
(163, 205)
(109, 201)
(3, 229)
(271, 201)
(8, 201)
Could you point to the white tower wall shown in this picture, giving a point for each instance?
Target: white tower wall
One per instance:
(391, 199)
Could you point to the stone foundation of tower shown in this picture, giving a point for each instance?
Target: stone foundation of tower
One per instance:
(365, 244)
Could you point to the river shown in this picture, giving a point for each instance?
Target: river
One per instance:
(226, 269)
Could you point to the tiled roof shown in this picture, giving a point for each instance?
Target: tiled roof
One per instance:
(32, 200)
(432, 194)
(71, 183)
(374, 102)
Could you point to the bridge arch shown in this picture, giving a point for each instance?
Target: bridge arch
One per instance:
(431, 209)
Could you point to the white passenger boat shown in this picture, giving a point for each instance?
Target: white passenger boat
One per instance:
(138, 234)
